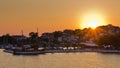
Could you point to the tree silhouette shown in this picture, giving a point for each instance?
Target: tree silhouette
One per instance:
(112, 40)
(33, 37)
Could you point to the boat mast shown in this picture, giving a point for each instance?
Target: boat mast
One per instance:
(22, 32)
(37, 30)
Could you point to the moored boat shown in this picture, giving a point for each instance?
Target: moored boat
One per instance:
(25, 50)
(28, 52)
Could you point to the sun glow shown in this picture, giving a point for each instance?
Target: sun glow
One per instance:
(92, 19)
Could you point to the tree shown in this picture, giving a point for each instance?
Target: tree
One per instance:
(78, 32)
(113, 40)
(57, 34)
(68, 32)
(33, 37)
(7, 39)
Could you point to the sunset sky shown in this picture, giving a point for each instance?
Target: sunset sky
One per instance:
(51, 15)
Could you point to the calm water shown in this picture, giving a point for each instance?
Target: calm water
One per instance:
(61, 60)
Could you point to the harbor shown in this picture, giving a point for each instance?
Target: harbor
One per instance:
(58, 60)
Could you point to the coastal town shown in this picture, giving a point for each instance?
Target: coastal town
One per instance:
(101, 39)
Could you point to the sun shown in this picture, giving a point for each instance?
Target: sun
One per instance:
(92, 19)
(93, 23)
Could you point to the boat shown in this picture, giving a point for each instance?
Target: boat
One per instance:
(8, 51)
(28, 52)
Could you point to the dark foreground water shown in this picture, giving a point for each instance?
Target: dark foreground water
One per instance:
(61, 60)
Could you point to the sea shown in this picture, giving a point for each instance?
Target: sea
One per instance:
(61, 60)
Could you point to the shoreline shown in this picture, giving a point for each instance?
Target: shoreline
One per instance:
(72, 51)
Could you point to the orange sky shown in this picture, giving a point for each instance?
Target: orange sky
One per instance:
(51, 15)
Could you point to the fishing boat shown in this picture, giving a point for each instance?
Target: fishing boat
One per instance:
(25, 50)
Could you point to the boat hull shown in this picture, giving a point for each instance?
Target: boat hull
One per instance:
(28, 52)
